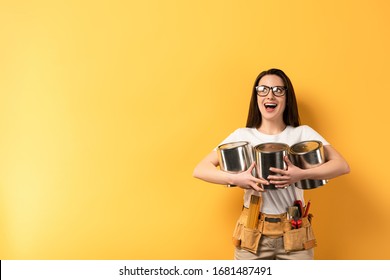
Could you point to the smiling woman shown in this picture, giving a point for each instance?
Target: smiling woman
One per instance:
(274, 78)
(107, 106)
(273, 118)
(272, 102)
(277, 91)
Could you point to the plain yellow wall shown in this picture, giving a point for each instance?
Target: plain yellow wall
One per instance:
(107, 106)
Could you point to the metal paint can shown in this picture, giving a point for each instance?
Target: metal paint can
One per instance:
(270, 155)
(235, 157)
(305, 155)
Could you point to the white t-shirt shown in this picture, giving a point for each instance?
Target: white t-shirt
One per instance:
(276, 201)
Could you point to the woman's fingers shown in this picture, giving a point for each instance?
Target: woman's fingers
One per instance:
(278, 171)
(251, 167)
(258, 187)
(288, 161)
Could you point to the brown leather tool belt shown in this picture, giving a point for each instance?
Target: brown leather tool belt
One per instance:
(273, 226)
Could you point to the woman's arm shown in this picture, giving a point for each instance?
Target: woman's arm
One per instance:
(335, 165)
(207, 170)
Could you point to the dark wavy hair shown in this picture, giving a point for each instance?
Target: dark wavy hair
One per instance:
(290, 114)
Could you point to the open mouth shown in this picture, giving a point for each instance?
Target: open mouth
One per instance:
(270, 106)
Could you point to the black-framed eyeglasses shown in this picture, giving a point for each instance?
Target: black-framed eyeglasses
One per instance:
(264, 90)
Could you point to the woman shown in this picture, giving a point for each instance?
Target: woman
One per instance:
(273, 117)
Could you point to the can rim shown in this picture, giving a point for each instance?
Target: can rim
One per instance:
(232, 145)
(283, 147)
(319, 146)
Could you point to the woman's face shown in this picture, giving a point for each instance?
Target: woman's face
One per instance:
(271, 106)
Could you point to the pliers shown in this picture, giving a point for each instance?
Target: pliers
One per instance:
(296, 223)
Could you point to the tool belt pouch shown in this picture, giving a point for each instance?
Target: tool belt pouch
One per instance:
(300, 239)
(246, 238)
(274, 226)
(250, 239)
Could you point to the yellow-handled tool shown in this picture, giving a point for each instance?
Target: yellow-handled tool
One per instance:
(254, 211)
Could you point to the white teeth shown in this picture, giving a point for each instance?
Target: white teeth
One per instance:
(272, 105)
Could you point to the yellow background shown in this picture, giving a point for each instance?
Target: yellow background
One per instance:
(107, 106)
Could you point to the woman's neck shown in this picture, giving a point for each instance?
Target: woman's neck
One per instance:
(271, 128)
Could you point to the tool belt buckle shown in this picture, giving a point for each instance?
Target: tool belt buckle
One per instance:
(272, 220)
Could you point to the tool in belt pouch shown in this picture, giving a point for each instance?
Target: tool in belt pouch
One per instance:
(296, 230)
(246, 234)
(300, 236)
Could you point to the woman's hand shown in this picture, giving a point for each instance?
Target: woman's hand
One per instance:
(246, 180)
(287, 177)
